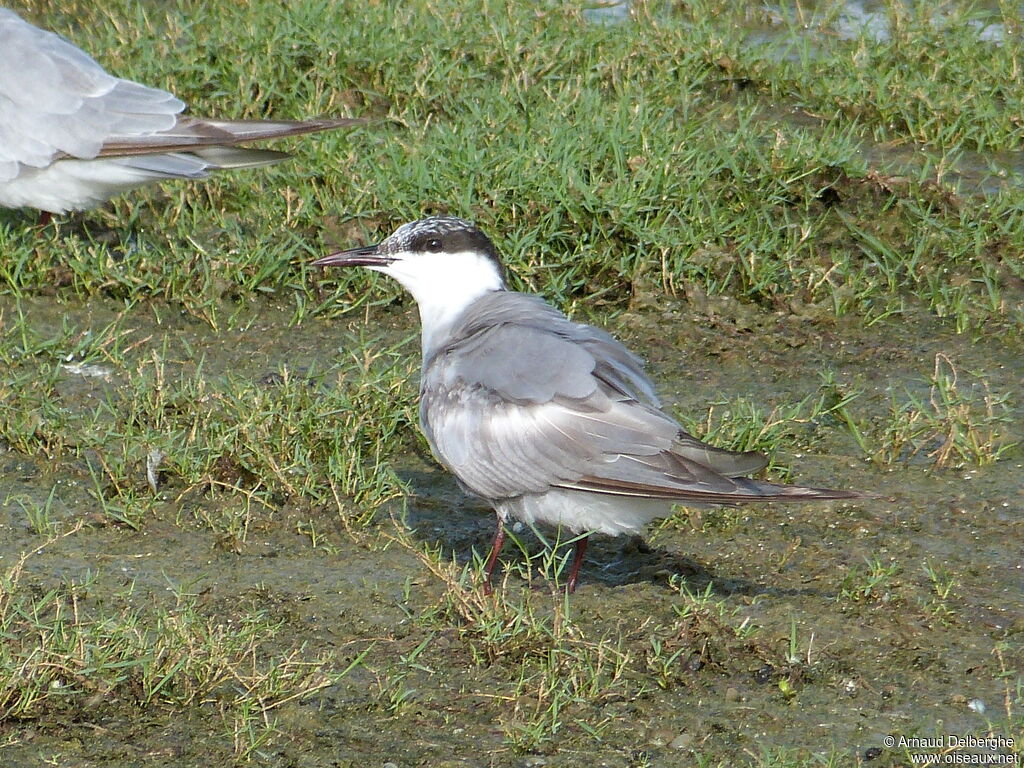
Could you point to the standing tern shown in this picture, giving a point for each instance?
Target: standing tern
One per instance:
(548, 420)
(73, 136)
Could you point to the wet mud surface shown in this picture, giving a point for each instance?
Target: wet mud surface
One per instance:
(820, 629)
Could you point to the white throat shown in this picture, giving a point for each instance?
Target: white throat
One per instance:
(443, 286)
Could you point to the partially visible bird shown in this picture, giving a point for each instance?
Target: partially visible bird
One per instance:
(73, 136)
(548, 420)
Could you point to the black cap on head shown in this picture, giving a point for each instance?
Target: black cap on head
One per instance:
(441, 234)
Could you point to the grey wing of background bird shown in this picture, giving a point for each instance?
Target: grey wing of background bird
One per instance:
(523, 400)
(56, 102)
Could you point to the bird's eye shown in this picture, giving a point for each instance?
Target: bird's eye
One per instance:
(434, 244)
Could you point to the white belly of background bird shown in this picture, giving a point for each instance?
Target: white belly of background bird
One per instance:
(73, 136)
(548, 420)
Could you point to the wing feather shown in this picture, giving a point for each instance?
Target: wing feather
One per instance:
(523, 400)
(56, 100)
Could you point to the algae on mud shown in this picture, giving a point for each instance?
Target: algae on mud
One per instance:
(742, 630)
(279, 601)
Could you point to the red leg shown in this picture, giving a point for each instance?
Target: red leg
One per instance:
(44, 218)
(577, 561)
(499, 541)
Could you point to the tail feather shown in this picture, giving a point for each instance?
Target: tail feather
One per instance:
(743, 491)
(224, 158)
(189, 134)
(779, 492)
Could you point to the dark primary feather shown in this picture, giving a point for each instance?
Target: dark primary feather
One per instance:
(521, 399)
(192, 134)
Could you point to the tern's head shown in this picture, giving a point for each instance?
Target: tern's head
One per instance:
(437, 259)
(444, 262)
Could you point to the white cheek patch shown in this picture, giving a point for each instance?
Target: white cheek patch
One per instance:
(451, 276)
(443, 284)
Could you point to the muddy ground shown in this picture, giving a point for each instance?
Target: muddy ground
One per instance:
(821, 631)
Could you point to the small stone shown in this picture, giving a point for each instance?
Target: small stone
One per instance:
(976, 705)
(275, 379)
(659, 737)
(872, 752)
(682, 741)
(764, 674)
(732, 695)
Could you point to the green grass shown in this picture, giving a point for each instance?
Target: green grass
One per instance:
(870, 582)
(59, 656)
(599, 156)
(161, 428)
(967, 426)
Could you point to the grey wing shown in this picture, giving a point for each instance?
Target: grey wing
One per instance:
(518, 410)
(56, 100)
(516, 342)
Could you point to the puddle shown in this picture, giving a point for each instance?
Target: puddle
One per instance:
(853, 19)
(611, 12)
(964, 172)
(776, 29)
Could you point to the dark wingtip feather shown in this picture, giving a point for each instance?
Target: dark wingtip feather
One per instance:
(744, 491)
(192, 133)
(805, 493)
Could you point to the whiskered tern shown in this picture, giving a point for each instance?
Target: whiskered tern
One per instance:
(73, 136)
(548, 420)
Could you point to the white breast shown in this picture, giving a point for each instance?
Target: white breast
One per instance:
(585, 512)
(74, 185)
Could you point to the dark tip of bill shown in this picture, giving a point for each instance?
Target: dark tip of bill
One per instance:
(366, 256)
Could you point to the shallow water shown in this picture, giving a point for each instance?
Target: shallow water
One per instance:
(873, 19)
